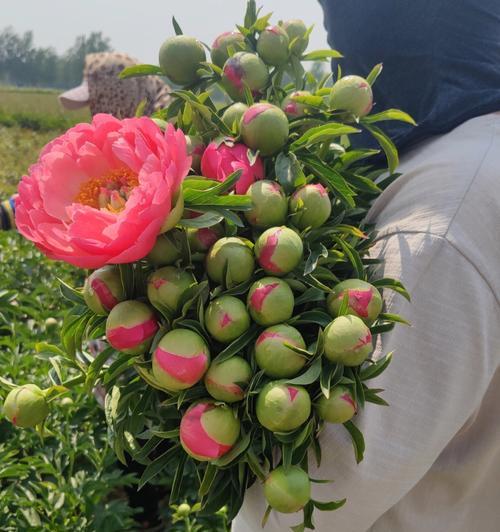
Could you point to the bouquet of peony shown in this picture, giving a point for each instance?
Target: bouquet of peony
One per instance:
(231, 276)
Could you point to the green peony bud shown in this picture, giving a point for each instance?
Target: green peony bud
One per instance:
(365, 300)
(311, 206)
(103, 290)
(224, 380)
(287, 490)
(339, 407)
(270, 301)
(233, 255)
(230, 41)
(183, 510)
(244, 69)
(180, 58)
(26, 406)
(348, 341)
(282, 407)
(272, 354)
(352, 94)
(269, 204)
(168, 248)
(226, 318)
(166, 287)
(279, 250)
(297, 35)
(203, 238)
(264, 127)
(232, 116)
(272, 46)
(131, 327)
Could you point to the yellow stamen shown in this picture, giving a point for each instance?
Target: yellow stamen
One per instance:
(109, 191)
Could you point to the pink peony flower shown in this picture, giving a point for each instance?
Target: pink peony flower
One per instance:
(218, 162)
(101, 193)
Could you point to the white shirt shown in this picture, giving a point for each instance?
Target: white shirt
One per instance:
(432, 460)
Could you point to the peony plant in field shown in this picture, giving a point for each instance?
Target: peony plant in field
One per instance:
(232, 285)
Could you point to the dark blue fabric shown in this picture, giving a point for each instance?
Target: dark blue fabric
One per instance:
(441, 58)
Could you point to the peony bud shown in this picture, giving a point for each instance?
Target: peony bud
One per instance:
(340, 407)
(232, 116)
(203, 238)
(244, 69)
(272, 46)
(180, 359)
(279, 250)
(287, 490)
(282, 407)
(226, 318)
(365, 300)
(311, 206)
(269, 204)
(264, 127)
(270, 301)
(233, 255)
(230, 41)
(272, 354)
(293, 108)
(297, 35)
(167, 249)
(208, 430)
(352, 94)
(166, 287)
(26, 406)
(223, 381)
(180, 58)
(131, 327)
(103, 290)
(348, 340)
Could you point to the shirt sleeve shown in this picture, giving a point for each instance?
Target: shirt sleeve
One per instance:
(440, 371)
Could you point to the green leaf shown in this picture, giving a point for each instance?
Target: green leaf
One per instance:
(353, 257)
(176, 484)
(176, 26)
(358, 441)
(289, 172)
(315, 316)
(389, 114)
(329, 506)
(392, 284)
(251, 14)
(237, 346)
(70, 293)
(208, 219)
(374, 73)
(308, 377)
(322, 55)
(237, 450)
(140, 70)
(208, 479)
(96, 366)
(394, 318)
(323, 133)
(158, 465)
(387, 145)
(317, 251)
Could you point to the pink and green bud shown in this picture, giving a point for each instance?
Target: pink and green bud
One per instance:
(340, 406)
(348, 340)
(244, 69)
(103, 290)
(282, 407)
(228, 380)
(264, 127)
(195, 148)
(273, 355)
(279, 250)
(166, 287)
(287, 490)
(365, 300)
(180, 59)
(232, 116)
(231, 255)
(167, 250)
(227, 44)
(226, 318)
(297, 35)
(209, 430)
(131, 327)
(203, 238)
(26, 406)
(352, 94)
(293, 108)
(270, 301)
(180, 359)
(311, 206)
(272, 46)
(269, 204)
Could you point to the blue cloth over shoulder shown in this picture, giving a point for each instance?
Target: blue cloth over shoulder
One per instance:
(441, 58)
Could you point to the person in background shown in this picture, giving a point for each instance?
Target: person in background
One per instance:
(432, 460)
(103, 92)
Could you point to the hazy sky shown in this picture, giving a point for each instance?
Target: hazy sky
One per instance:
(139, 27)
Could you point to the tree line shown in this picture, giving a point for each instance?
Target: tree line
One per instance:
(24, 64)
